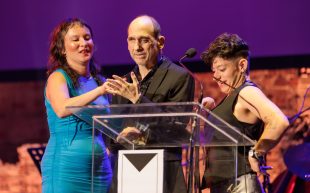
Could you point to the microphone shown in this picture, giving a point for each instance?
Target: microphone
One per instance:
(219, 80)
(190, 53)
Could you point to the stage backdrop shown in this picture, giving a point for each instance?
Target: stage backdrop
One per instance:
(272, 28)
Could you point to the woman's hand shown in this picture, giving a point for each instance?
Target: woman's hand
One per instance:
(103, 88)
(208, 102)
(254, 163)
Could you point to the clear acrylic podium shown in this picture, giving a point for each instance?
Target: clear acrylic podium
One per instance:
(164, 125)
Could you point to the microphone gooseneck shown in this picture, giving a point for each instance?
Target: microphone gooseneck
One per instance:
(190, 53)
(219, 80)
(230, 86)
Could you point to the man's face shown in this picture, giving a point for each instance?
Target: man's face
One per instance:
(227, 71)
(143, 47)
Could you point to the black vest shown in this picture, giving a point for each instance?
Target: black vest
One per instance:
(221, 164)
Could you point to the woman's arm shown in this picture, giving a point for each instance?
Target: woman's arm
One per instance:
(58, 95)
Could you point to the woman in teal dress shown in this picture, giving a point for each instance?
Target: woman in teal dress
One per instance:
(73, 80)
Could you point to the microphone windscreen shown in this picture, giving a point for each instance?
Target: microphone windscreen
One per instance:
(190, 52)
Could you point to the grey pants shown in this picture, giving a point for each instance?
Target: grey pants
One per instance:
(247, 183)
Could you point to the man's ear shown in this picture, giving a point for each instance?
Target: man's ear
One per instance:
(161, 42)
(243, 65)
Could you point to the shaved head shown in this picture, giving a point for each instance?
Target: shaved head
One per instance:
(147, 21)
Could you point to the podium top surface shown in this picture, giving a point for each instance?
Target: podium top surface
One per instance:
(161, 125)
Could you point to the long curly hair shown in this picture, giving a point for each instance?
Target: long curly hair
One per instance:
(57, 58)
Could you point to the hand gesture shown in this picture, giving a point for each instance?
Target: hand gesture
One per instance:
(121, 87)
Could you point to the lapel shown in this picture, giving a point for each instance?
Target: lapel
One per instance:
(158, 79)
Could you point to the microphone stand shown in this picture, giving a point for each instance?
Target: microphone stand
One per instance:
(192, 147)
(195, 78)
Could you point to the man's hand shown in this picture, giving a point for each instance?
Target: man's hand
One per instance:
(130, 133)
(121, 87)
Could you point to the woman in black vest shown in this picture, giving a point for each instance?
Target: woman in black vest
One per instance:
(246, 108)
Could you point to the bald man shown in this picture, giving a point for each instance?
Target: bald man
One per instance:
(154, 79)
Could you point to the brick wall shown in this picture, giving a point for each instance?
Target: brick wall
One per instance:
(22, 117)
(22, 176)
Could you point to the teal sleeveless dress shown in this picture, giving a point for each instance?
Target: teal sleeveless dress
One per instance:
(67, 161)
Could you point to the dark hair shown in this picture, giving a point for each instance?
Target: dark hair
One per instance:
(56, 57)
(226, 46)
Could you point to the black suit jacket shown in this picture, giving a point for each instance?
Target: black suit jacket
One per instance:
(170, 83)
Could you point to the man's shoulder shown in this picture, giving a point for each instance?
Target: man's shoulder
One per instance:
(173, 67)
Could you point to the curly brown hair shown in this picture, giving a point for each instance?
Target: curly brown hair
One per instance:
(226, 46)
(57, 60)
